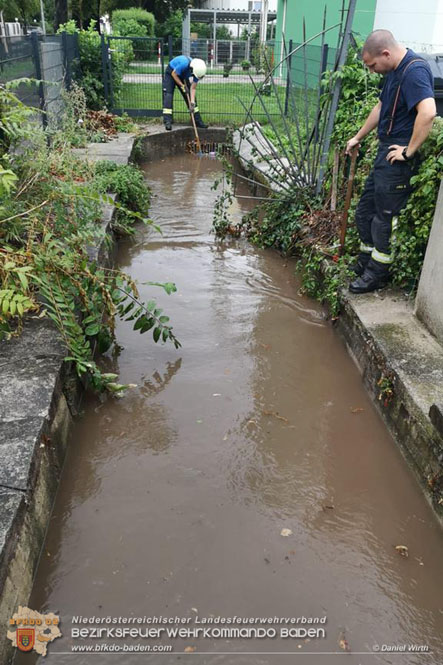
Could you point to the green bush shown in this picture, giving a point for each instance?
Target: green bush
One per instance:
(89, 74)
(129, 28)
(127, 182)
(139, 16)
(50, 213)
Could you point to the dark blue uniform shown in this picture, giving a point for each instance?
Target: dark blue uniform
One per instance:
(388, 185)
(181, 64)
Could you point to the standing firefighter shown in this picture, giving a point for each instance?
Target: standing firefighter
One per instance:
(403, 118)
(184, 72)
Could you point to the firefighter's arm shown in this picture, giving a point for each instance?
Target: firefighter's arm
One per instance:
(426, 112)
(193, 89)
(178, 80)
(370, 124)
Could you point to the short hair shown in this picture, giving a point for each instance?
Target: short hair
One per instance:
(378, 41)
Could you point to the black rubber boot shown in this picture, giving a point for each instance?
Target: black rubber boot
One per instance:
(167, 119)
(376, 276)
(360, 264)
(199, 122)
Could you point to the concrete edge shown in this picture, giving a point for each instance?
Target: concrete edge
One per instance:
(26, 503)
(404, 415)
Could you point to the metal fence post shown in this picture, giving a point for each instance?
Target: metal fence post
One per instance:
(105, 68)
(38, 75)
(66, 61)
(170, 47)
(324, 59)
(288, 77)
(162, 58)
(336, 94)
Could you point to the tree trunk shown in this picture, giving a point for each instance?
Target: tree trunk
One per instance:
(61, 13)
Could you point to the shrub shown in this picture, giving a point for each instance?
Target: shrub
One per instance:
(139, 16)
(49, 209)
(129, 28)
(89, 74)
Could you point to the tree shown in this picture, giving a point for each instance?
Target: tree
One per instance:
(172, 26)
(25, 9)
(61, 13)
(162, 9)
(222, 32)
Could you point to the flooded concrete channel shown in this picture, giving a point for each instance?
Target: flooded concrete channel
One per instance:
(248, 474)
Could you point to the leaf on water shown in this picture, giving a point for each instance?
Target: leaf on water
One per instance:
(190, 649)
(275, 414)
(286, 532)
(357, 409)
(402, 550)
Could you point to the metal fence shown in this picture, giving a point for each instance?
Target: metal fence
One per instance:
(133, 68)
(46, 59)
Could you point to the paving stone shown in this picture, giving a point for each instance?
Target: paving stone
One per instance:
(17, 444)
(27, 387)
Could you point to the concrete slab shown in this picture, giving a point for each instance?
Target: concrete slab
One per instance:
(412, 351)
(27, 388)
(118, 150)
(18, 440)
(38, 340)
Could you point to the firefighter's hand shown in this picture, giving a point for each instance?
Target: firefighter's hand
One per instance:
(351, 145)
(395, 154)
(192, 107)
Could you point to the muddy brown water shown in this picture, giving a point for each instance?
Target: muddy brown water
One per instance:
(174, 498)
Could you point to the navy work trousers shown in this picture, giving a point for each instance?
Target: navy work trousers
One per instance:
(168, 92)
(385, 193)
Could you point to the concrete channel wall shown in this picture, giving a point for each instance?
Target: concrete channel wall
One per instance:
(400, 360)
(39, 397)
(39, 394)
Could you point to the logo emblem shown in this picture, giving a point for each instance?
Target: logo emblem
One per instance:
(25, 638)
(31, 631)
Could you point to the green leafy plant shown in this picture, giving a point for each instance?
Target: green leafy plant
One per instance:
(50, 208)
(127, 182)
(141, 17)
(88, 73)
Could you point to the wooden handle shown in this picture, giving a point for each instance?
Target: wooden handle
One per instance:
(344, 219)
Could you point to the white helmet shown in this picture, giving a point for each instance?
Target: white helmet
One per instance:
(198, 67)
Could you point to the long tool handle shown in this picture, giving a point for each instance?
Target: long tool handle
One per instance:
(197, 138)
(344, 219)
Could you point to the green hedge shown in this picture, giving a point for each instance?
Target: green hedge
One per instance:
(145, 19)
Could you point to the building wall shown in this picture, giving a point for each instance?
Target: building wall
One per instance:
(235, 4)
(417, 25)
(313, 13)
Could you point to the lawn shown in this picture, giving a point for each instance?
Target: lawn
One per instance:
(153, 68)
(218, 102)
